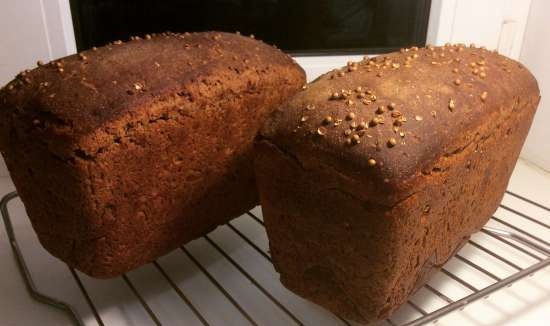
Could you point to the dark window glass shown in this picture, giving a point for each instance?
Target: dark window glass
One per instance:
(296, 26)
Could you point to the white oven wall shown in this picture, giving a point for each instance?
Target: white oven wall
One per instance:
(32, 30)
(535, 54)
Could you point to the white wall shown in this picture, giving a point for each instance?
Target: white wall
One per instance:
(496, 24)
(32, 30)
(535, 54)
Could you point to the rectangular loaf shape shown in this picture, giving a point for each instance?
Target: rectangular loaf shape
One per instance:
(377, 173)
(123, 153)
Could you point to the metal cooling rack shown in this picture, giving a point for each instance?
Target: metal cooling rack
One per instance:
(226, 277)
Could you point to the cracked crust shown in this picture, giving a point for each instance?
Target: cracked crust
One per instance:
(342, 236)
(113, 175)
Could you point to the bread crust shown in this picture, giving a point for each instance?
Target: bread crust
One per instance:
(123, 153)
(358, 238)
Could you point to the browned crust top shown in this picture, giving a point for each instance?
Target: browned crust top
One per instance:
(387, 118)
(85, 90)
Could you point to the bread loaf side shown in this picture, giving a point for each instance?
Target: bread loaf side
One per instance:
(123, 153)
(378, 172)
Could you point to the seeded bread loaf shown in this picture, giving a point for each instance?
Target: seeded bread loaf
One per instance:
(123, 153)
(377, 173)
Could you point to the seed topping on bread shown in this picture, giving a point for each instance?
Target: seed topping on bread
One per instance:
(358, 109)
(483, 96)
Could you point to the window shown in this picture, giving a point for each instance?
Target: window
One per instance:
(296, 26)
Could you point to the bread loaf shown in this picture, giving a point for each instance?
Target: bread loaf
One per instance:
(123, 153)
(377, 173)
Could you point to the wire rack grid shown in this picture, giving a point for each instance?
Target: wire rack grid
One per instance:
(226, 277)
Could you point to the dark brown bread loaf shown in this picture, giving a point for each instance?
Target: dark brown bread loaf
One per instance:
(376, 174)
(123, 153)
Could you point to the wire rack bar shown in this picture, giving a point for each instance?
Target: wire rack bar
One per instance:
(439, 294)
(267, 257)
(513, 245)
(150, 312)
(491, 253)
(519, 230)
(256, 218)
(508, 238)
(344, 321)
(459, 280)
(87, 296)
(519, 238)
(479, 294)
(534, 203)
(529, 218)
(218, 285)
(181, 294)
(476, 266)
(253, 281)
(24, 270)
(252, 244)
(417, 308)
